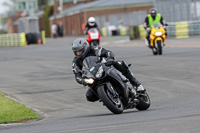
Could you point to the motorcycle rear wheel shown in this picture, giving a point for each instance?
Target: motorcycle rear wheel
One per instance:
(113, 103)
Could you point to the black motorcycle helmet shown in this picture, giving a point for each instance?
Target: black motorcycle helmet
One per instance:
(153, 12)
(80, 48)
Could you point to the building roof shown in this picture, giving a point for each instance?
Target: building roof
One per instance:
(35, 16)
(111, 3)
(100, 4)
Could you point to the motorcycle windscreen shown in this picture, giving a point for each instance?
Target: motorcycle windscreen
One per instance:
(90, 61)
(94, 34)
(157, 25)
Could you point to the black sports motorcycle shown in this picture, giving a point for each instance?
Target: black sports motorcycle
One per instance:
(112, 88)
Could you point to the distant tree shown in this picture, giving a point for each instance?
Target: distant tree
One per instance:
(3, 31)
(42, 3)
(48, 11)
(2, 24)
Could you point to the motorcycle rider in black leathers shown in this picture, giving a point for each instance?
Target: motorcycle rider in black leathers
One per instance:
(81, 50)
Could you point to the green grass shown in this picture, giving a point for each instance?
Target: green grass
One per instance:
(13, 112)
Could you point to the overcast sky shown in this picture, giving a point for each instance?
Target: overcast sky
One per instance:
(3, 8)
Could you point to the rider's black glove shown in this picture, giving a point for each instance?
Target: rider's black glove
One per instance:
(109, 62)
(83, 82)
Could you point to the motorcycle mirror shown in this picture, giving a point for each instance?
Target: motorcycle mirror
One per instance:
(166, 24)
(129, 65)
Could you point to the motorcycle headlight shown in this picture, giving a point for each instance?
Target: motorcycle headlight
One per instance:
(89, 81)
(158, 33)
(99, 72)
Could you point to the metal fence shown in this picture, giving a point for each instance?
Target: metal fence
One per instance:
(28, 25)
(177, 10)
(183, 29)
(173, 12)
(120, 22)
(125, 19)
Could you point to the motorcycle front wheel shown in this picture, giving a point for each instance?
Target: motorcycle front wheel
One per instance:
(144, 101)
(95, 43)
(110, 100)
(154, 50)
(159, 47)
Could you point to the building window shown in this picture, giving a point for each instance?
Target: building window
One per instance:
(66, 0)
(34, 5)
(22, 6)
(30, 5)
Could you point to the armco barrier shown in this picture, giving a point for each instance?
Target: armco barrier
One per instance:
(137, 32)
(104, 31)
(171, 31)
(131, 33)
(123, 31)
(18, 39)
(142, 32)
(182, 30)
(43, 37)
(194, 28)
(174, 29)
(134, 32)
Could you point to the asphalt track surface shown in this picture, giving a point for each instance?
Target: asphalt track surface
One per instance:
(41, 77)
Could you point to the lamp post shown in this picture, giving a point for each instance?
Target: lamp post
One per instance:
(75, 1)
(61, 5)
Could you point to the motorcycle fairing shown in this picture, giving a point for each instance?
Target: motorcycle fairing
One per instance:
(119, 84)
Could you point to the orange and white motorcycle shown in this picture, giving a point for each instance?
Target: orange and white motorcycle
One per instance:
(157, 38)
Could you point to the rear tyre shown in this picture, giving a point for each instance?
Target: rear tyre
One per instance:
(112, 102)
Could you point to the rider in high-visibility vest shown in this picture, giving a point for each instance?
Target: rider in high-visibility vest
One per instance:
(152, 17)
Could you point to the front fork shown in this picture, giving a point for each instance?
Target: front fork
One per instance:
(154, 43)
(112, 91)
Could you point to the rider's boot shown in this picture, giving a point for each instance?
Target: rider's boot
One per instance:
(135, 83)
(149, 44)
(132, 79)
(165, 37)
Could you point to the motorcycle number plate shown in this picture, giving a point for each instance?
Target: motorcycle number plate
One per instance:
(94, 35)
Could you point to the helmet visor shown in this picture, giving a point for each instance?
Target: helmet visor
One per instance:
(79, 52)
(91, 23)
(153, 14)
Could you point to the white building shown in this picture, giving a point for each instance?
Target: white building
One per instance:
(28, 6)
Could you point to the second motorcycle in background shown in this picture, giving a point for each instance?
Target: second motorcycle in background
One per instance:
(93, 37)
(157, 38)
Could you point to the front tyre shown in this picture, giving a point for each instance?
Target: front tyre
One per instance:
(154, 50)
(144, 101)
(95, 43)
(159, 43)
(111, 101)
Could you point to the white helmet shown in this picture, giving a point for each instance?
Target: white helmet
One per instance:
(91, 21)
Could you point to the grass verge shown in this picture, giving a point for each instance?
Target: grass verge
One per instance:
(13, 112)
